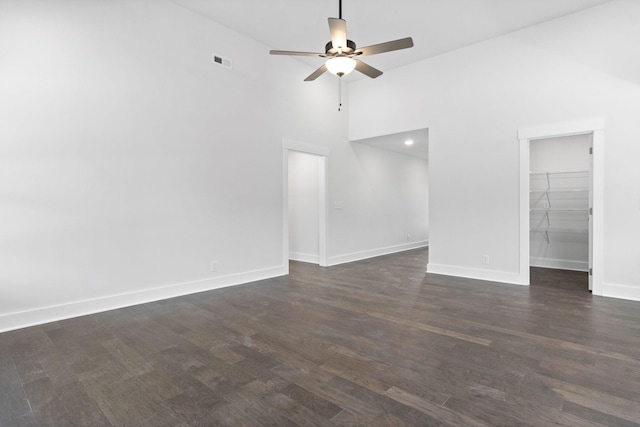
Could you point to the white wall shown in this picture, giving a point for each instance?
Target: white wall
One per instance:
(129, 162)
(563, 158)
(474, 100)
(385, 206)
(567, 153)
(308, 112)
(304, 205)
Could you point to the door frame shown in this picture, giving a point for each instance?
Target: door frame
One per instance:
(323, 185)
(594, 127)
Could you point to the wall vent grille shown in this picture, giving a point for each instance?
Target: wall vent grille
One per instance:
(221, 60)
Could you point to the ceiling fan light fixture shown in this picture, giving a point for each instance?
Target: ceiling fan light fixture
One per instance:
(341, 65)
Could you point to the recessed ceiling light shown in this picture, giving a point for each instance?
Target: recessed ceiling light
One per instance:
(408, 142)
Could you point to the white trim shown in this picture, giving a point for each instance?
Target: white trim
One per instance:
(323, 213)
(54, 313)
(285, 208)
(613, 290)
(594, 126)
(323, 190)
(560, 264)
(598, 213)
(524, 165)
(305, 147)
(357, 256)
(297, 256)
(475, 273)
(551, 130)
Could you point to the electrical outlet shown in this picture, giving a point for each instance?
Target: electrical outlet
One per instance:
(408, 237)
(214, 266)
(485, 259)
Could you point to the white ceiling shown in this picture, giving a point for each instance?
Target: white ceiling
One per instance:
(437, 26)
(396, 142)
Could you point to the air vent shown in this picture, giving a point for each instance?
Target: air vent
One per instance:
(217, 59)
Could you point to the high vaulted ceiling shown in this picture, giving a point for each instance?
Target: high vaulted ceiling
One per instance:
(437, 26)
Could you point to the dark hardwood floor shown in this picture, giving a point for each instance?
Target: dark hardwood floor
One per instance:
(371, 343)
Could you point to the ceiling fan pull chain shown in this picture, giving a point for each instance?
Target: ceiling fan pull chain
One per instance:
(340, 94)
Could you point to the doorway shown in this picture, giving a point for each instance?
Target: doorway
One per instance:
(305, 202)
(594, 128)
(559, 202)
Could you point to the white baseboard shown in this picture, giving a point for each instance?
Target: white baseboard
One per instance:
(42, 315)
(612, 290)
(311, 258)
(357, 256)
(561, 264)
(476, 273)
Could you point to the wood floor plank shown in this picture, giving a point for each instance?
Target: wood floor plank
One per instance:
(404, 322)
(257, 407)
(314, 382)
(14, 404)
(595, 400)
(232, 415)
(388, 420)
(81, 408)
(53, 413)
(590, 414)
(30, 369)
(316, 403)
(521, 410)
(195, 398)
(298, 413)
(437, 411)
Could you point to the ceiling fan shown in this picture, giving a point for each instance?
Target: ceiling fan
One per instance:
(343, 55)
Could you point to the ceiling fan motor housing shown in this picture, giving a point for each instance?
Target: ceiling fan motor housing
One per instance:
(348, 50)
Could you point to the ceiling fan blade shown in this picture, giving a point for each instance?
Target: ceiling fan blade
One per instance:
(294, 53)
(338, 29)
(317, 73)
(405, 43)
(367, 70)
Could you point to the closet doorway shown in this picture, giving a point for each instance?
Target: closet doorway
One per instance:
(594, 130)
(560, 185)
